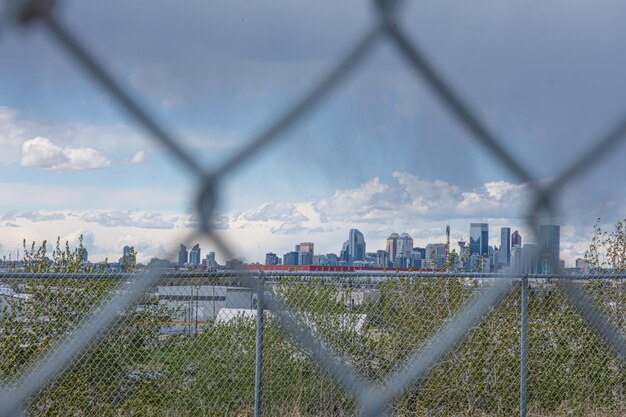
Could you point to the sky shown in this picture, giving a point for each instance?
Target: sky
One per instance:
(380, 154)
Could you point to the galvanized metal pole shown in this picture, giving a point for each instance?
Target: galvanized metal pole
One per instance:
(524, 348)
(259, 345)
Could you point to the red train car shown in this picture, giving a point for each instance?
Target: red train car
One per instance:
(320, 268)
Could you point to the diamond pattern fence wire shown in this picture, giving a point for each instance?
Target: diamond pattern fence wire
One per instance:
(187, 347)
(109, 345)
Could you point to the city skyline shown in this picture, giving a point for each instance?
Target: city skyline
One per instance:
(494, 239)
(379, 154)
(540, 257)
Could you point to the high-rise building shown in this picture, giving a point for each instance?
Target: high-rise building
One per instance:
(353, 249)
(494, 255)
(405, 245)
(382, 259)
(436, 254)
(290, 258)
(127, 257)
(505, 246)
(392, 246)
(305, 258)
(305, 247)
(419, 255)
(530, 258)
(332, 259)
(183, 255)
(271, 259)
(421, 251)
(84, 255)
(211, 263)
(357, 245)
(479, 239)
(517, 259)
(516, 239)
(549, 248)
(126, 252)
(194, 255)
(343, 254)
(582, 265)
(401, 261)
(463, 254)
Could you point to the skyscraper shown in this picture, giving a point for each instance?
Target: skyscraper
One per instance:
(479, 239)
(405, 245)
(353, 249)
(463, 253)
(505, 246)
(126, 256)
(517, 259)
(210, 261)
(530, 258)
(357, 245)
(549, 248)
(343, 254)
(305, 247)
(436, 254)
(84, 255)
(271, 259)
(420, 251)
(582, 265)
(194, 255)
(392, 246)
(332, 259)
(516, 239)
(290, 258)
(382, 259)
(305, 258)
(183, 255)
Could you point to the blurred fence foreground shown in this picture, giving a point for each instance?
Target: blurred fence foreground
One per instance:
(412, 344)
(192, 344)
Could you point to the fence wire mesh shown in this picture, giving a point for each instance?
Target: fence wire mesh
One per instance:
(185, 345)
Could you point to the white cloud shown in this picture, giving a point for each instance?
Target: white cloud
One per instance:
(144, 220)
(74, 238)
(114, 140)
(40, 152)
(191, 221)
(138, 158)
(10, 215)
(146, 248)
(36, 216)
(220, 222)
(416, 199)
(100, 240)
(275, 211)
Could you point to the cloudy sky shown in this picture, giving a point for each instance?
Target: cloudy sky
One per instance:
(380, 154)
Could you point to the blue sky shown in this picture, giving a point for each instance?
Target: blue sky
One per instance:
(380, 154)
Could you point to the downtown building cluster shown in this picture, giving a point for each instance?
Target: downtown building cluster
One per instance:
(476, 255)
(193, 258)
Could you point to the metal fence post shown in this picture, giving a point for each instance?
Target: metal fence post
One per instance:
(259, 344)
(523, 347)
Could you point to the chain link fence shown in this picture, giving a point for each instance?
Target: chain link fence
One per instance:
(428, 344)
(188, 346)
